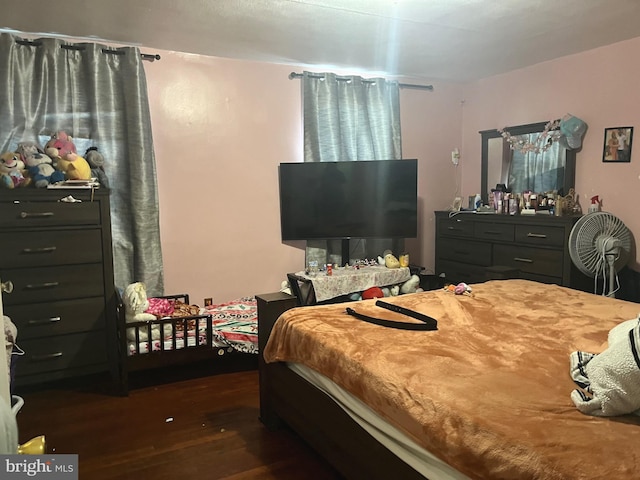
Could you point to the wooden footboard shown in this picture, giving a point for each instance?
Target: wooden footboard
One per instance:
(287, 397)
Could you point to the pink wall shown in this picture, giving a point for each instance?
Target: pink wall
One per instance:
(598, 86)
(221, 127)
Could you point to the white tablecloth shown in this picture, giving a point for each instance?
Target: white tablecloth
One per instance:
(344, 281)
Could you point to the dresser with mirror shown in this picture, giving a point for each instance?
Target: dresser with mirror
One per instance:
(472, 247)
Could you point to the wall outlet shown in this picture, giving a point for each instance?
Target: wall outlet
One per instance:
(455, 156)
(208, 301)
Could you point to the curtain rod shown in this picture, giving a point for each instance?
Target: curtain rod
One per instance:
(293, 75)
(69, 46)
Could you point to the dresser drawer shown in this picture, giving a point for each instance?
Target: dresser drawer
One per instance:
(529, 259)
(466, 251)
(47, 214)
(494, 231)
(456, 226)
(57, 318)
(48, 284)
(455, 272)
(540, 235)
(61, 352)
(50, 247)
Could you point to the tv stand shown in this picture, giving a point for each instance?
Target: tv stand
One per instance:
(346, 252)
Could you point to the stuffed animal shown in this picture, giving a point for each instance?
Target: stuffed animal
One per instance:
(372, 292)
(459, 289)
(39, 165)
(11, 171)
(135, 303)
(390, 260)
(411, 286)
(96, 162)
(61, 148)
(57, 141)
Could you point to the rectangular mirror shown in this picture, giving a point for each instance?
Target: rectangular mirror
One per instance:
(551, 169)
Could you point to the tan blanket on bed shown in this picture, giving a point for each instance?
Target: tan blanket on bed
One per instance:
(489, 392)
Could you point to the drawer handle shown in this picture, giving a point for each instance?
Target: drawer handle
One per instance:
(6, 287)
(48, 356)
(39, 250)
(35, 214)
(454, 228)
(524, 260)
(39, 286)
(492, 232)
(536, 235)
(44, 321)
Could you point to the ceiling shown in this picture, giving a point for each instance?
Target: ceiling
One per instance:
(448, 40)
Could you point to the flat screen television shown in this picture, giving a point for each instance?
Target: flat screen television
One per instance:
(353, 199)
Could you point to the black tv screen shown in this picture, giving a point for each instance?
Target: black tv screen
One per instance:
(353, 199)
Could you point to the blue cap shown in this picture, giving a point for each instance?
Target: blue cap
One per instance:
(573, 129)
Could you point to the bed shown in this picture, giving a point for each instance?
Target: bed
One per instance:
(488, 395)
(188, 334)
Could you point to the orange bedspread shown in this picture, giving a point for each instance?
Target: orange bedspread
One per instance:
(489, 392)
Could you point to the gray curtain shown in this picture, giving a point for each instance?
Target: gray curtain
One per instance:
(537, 171)
(345, 119)
(350, 118)
(98, 95)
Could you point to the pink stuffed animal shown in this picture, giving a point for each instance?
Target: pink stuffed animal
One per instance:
(63, 151)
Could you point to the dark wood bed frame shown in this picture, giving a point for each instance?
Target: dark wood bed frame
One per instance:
(164, 358)
(288, 398)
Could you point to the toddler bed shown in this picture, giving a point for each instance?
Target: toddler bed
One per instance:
(174, 332)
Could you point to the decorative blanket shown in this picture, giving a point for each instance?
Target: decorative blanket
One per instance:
(236, 323)
(489, 391)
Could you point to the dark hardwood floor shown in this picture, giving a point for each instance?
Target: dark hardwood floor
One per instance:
(197, 428)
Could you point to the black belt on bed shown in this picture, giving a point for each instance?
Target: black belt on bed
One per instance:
(429, 323)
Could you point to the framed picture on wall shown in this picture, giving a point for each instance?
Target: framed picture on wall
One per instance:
(617, 144)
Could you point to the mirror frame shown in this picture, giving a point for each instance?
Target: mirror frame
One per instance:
(570, 161)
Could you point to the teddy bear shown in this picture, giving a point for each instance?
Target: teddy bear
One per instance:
(62, 150)
(135, 301)
(39, 165)
(96, 161)
(11, 171)
(411, 286)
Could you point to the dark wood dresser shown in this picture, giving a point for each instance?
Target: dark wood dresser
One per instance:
(58, 256)
(470, 247)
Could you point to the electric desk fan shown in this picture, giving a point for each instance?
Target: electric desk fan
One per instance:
(600, 245)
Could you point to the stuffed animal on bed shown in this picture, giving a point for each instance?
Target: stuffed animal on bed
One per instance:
(135, 303)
